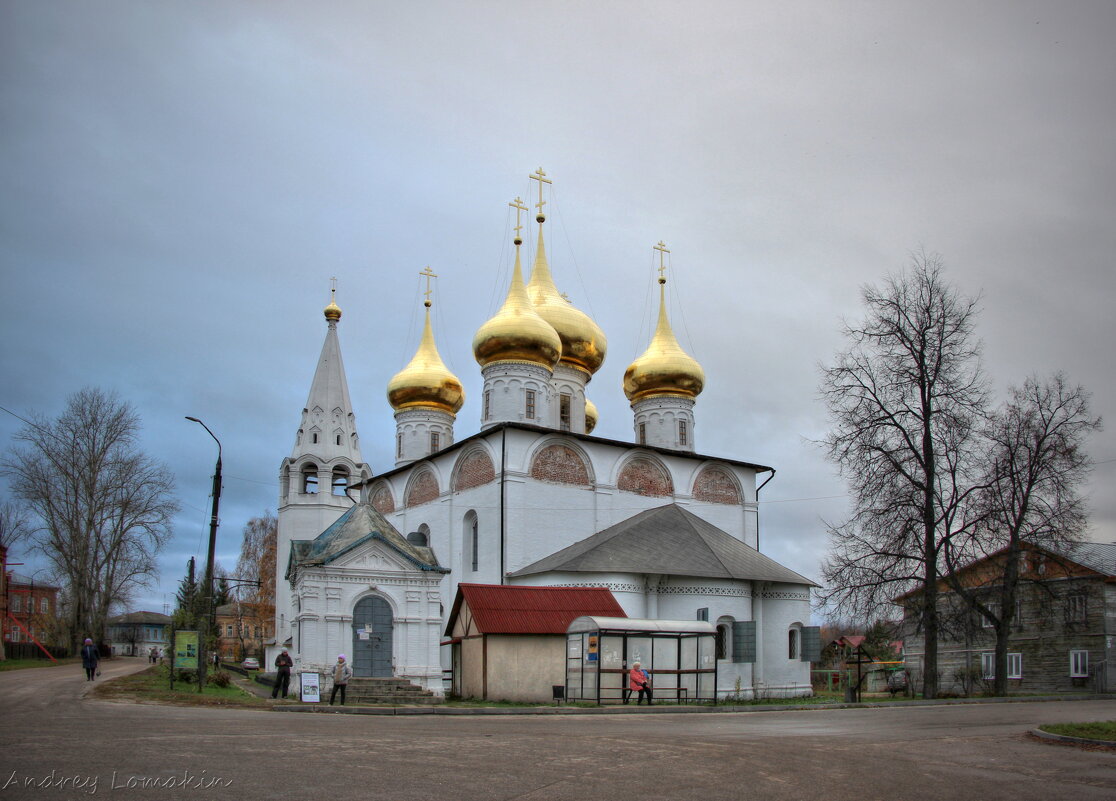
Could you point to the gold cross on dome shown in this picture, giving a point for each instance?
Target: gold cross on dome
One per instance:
(540, 176)
(332, 288)
(519, 207)
(429, 274)
(662, 251)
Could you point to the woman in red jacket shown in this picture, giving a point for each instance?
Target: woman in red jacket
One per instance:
(638, 680)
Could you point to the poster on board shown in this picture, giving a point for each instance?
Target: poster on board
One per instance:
(186, 650)
(309, 687)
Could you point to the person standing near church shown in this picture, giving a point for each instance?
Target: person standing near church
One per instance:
(283, 665)
(90, 659)
(341, 675)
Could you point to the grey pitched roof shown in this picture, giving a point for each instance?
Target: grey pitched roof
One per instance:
(1098, 556)
(140, 618)
(358, 525)
(667, 540)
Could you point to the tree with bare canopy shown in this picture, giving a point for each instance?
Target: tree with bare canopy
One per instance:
(906, 401)
(102, 507)
(255, 573)
(1035, 463)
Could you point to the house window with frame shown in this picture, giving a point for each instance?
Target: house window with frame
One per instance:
(487, 404)
(703, 614)
(1076, 608)
(683, 433)
(1079, 664)
(229, 630)
(985, 620)
(44, 606)
(724, 637)
(988, 666)
(398, 446)
(1015, 666)
(435, 441)
(643, 433)
(529, 404)
(792, 644)
(564, 401)
(15, 603)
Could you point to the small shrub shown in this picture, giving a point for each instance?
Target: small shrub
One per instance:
(186, 676)
(220, 678)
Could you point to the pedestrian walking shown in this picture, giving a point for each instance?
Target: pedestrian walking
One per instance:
(283, 665)
(341, 675)
(90, 659)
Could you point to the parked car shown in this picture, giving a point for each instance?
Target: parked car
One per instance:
(251, 663)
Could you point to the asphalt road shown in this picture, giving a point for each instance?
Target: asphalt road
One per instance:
(79, 748)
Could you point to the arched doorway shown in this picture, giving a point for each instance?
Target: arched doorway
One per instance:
(372, 628)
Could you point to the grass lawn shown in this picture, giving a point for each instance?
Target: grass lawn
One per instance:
(153, 686)
(1099, 730)
(23, 664)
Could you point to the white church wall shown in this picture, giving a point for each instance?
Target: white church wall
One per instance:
(785, 606)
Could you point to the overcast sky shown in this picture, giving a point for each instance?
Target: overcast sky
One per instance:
(180, 180)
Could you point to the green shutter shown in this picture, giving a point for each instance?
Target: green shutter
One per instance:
(811, 644)
(744, 641)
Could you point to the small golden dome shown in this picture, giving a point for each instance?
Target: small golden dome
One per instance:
(517, 333)
(591, 416)
(664, 369)
(583, 343)
(332, 311)
(426, 382)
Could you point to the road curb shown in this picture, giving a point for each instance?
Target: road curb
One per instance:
(1067, 740)
(354, 709)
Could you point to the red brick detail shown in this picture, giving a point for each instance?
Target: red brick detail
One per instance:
(645, 477)
(422, 490)
(382, 501)
(474, 469)
(560, 464)
(714, 485)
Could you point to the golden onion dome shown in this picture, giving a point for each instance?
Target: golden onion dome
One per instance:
(591, 416)
(332, 312)
(426, 382)
(664, 369)
(517, 333)
(583, 342)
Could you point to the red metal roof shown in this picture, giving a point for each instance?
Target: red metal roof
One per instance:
(504, 609)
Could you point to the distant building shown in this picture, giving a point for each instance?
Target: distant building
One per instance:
(1064, 635)
(243, 629)
(136, 633)
(30, 608)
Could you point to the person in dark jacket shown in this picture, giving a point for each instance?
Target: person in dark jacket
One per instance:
(283, 665)
(90, 659)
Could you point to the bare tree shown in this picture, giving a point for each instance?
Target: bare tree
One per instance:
(103, 507)
(905, 401)
(1036, 464)
(255, 571)
(14, 525)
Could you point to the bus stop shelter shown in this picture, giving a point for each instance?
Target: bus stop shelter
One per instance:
(679, 655)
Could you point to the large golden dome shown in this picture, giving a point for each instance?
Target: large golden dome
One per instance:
(426, 382)
(664, 369)
(517, 333)
(583, 342)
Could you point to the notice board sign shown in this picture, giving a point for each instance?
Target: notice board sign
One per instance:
(186, 650)
(310, 687)
(591, 650)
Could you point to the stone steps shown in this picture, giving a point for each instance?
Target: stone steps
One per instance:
(369, 690)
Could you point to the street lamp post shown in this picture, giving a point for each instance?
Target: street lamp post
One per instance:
(203, 650)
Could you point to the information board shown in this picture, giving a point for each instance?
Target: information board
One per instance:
(186, 650)
(309, 685)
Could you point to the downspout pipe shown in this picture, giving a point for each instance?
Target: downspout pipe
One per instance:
(761, 486)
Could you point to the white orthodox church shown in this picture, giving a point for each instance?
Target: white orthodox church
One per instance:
(532, 498)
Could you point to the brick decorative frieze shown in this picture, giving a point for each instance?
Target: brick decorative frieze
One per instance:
(560, 464)
(422, 489)
(474, 469)
(644, 476)
(382, 501)
(715, 485)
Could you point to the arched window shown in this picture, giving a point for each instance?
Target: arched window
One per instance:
(792, 644)
(310, 479)
(340, 481)
(421, 537)
(724, 638)
(471, 540)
